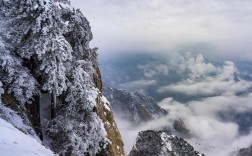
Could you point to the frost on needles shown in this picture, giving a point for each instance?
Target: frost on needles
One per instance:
(44, 49)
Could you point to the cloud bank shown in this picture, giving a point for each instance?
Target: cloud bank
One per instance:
(206, 79)
(216, 28)
(211, 117)
(138, 84)
(212, 135)
(222, 28)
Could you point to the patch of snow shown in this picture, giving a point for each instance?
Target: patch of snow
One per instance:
(118, 148)
(35, 7)
(92, 95)
(166, 141)
(106, 103)
(66, 23)
(63, 5)
(45, 4)
(13, 142)
(13, 118)
(107, 123)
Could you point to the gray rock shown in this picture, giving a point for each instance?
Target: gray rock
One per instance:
(159, 143)
(134, 107)
(243, 152)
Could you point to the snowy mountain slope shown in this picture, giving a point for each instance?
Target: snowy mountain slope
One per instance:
(13, 118)
(13, 142)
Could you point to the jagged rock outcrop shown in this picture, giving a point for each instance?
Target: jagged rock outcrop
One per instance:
(138, 108)
(180, 128)
(45, 60)
(134, 107)
(159, 143)
(243, 152)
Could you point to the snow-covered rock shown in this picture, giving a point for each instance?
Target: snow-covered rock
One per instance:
(134, 107)
(13, 118)
(243, 152)
(159, 143)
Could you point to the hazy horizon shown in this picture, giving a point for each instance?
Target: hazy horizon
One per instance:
(216, 29)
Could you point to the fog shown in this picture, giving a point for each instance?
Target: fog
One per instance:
(210, 118)
(217, 28)
(206, 95)
(211, 134)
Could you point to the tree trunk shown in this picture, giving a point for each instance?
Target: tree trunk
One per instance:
(34, 115)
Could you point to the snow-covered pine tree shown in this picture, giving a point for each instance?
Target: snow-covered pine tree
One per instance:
(17, 78)
(48, 51)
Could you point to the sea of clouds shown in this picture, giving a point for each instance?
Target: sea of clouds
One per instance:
(220, 92)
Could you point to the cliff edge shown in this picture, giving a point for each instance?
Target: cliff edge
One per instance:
(50, 78)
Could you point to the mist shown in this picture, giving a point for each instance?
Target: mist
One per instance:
(183, 54)
(216, 28)
(212, 117)
(211, 135)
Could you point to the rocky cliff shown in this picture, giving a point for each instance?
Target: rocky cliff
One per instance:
(243, 152)
(134, 107)
(50, 78)
(138, 108)
(150, 143)
(51, 89)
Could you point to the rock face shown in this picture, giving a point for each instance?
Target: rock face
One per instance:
(243, 152)
(150, 143)
(138, 108)
(134, 107)
(46, 62)
(180, 128)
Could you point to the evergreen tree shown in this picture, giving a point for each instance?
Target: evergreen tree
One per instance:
(48, 51)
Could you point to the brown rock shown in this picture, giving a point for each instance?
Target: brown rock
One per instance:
(116, 148)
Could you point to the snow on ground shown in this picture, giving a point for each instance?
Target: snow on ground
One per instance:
(13, 142)
(13, 118)
(168, 145)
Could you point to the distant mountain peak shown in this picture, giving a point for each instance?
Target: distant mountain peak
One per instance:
(135, 107)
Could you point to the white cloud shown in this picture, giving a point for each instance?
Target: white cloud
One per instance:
(167, 26)
(212, 135)
(205, 79)
(138, 84)
(154, 69)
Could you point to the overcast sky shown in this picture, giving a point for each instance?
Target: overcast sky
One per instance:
(215, 28)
